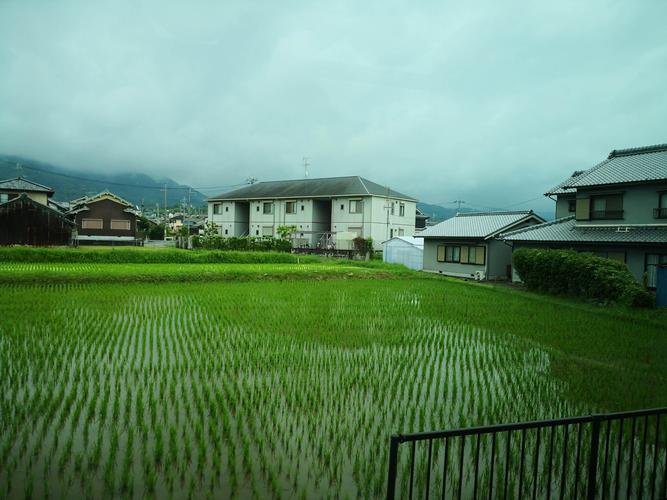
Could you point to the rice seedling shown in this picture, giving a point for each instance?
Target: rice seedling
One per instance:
(292, 389)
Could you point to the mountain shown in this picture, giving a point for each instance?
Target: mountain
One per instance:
(70, 184)
(439, 213)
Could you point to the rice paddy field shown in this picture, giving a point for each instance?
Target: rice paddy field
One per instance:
(283, 384)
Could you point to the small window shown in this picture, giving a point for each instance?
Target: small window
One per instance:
(120, 224)
(92, 224)
(257, 230)
(452, 254)
(572, 206)
(440, 257)
(401, 210)
(267, 230)
(258, 208)
(267, 207)
(216, 208)
(392, 208)
(401, 232)
(226, 231)
(302, 208)
(342, 207)
(290, 207)
(391, 232)
(226, 209)
(356, 206)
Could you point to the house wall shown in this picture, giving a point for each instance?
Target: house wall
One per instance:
(107, 210)
(373, 221)
(638, 204)
(563, 205)
(39, 197)
(451, 268)
(232, 219)
(499, 258)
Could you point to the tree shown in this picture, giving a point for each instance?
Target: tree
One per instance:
(286, 232)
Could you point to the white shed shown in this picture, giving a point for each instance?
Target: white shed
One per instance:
(405, 250)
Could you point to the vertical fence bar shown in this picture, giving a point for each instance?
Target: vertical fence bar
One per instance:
(593, 459)
(577, 462)
(536, 464)
(393, 465)
(428, 467)
(618, 457)
(412, 468)
(523, 449)
(643, 464)
(606, 460)
(444, 470)
(632, 455)
(463, 445)
(563, 476)
(656, 455)
(551, 456)
(507, 463)
(474, 488)
(493, 460)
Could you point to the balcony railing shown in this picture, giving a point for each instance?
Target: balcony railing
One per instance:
(606, 214)
(660, 213)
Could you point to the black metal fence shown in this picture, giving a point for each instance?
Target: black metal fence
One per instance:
(618, 455)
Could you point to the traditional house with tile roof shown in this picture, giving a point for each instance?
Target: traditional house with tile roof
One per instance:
(616, 209)
(105, 218)
(327, 212)
(28, 215)
(466, 245)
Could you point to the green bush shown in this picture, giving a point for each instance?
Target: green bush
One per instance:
(130, 255)
(242, 243)
(566, 272)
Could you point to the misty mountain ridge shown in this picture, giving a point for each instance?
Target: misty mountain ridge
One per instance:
(69, 184)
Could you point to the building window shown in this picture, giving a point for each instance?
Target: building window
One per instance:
(607, 207)
(401, 210)
(653, 260)
(216, 208)
(473, 255)
(661, 211)
(290, 207)
(392, 207)
(267, 230)
(572, 206)
(226, 231)
(256, 232)
(452, 254)
(302, 208)
(401, 232)
(92, 224)
(356, 206)
(226, 209)
(342, 207)
(440, 253)
(267, 207)
(120, 224)
(258, 208)
(391, 233)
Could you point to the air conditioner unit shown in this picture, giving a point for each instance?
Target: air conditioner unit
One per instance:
(480, 275)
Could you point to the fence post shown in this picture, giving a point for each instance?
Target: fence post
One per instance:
(593, 460)
(393, 466)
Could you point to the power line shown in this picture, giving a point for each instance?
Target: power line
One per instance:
(113, 183)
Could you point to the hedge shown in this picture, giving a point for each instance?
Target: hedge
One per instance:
(242, 244)
(566, 272)
(138, 255)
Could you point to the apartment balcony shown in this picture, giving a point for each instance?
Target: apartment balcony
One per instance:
(660, 213)
(606, 214)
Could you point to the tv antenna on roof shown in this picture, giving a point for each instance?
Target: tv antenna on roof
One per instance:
(459, 202)
(306, 164)
(251, 180)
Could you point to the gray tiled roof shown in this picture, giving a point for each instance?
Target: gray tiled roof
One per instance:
(565, 230)
(24, 185)
(24, 198)
(312, 188)
(477, 224)
(645, 164)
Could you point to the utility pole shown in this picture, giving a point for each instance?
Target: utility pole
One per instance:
(459, 204)
(19, 169)
(388, 208)
(166, 212)
(306, 164)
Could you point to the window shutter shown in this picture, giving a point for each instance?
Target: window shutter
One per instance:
(479, 255)
(464, 254)
(441, 253)
(583, 209)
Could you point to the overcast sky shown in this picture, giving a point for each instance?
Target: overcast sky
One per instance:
(490, 102)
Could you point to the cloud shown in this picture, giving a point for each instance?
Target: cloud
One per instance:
(490, 102)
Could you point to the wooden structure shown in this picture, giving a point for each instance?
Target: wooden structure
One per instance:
(24, 221)
(105, 219)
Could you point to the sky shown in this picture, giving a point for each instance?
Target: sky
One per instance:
(487, 102)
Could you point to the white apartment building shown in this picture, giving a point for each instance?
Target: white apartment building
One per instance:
(326, 212)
